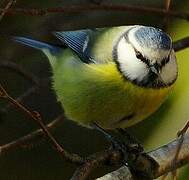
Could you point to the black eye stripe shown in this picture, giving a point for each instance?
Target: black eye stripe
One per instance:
(138, 55)
(147, 62)
(142, 58)
(165, 61)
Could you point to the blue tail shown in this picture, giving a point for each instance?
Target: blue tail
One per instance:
(37, 44)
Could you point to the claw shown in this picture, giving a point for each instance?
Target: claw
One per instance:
(130, 150)
(133, 144)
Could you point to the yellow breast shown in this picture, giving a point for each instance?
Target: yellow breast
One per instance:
(98, 92)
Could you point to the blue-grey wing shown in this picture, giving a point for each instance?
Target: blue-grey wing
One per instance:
(37, 44)
(78, 41)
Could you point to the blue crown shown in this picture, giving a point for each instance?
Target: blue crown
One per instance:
(153, 38)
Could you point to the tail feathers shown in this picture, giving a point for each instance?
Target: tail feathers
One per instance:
(37, 44)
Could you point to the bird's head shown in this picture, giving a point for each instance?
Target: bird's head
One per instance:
(144, 56)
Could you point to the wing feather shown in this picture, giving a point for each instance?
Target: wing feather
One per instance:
(78, 41)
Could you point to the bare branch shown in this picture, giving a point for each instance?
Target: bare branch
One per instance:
(29, 138)
(7, 7)
(164, 156)
(94, 161)
(19, 70)
(167, 4)
(100, 7)
(37, 117)
(122, 173)
(26, 94)
(181, 44)
(37, 82)
(44, 83)
(166, 18)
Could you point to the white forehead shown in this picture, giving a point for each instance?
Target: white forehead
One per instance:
(151, 42)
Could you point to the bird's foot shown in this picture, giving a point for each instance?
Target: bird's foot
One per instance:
(132, 141)
(130, 150)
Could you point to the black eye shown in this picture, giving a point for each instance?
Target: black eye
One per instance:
(138, 55)
(165, 61)
(142, 58)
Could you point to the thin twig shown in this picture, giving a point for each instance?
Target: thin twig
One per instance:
(167, 8)
(26, 94)
(37, 117)
(29, 138)
(180, 134)
(167, 4)
(94, 161)
(100, 7)
(37, 82)
(181, 44)
(175, 159)
(183, 130)
(20, 70)
(44, 83)
(7, 7)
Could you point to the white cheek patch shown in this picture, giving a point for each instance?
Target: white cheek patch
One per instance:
(169, 71)
(131, 67)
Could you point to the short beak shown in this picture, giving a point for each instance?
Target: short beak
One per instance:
(155, 69)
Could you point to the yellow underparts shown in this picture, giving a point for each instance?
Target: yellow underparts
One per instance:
(98, 93)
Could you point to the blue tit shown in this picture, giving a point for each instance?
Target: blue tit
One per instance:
(114, 76)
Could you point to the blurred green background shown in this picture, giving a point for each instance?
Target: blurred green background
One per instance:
(41, 161)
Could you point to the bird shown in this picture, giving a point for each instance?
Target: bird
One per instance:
(113, 76)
